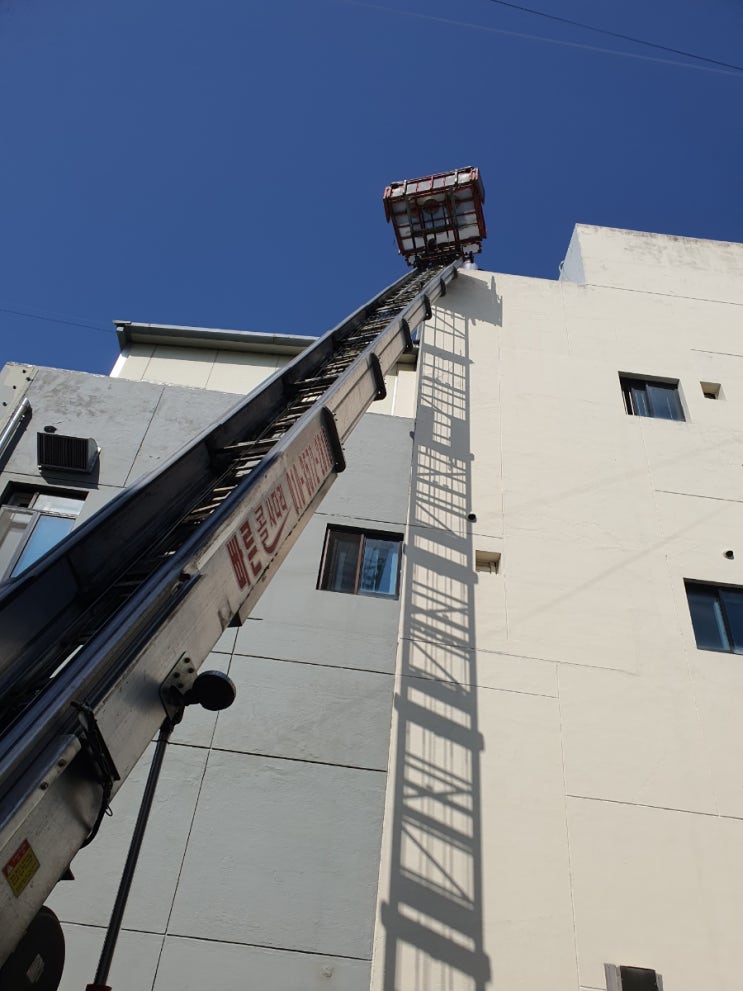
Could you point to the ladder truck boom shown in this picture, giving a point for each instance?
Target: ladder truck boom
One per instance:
(94, 629)
(102, 637)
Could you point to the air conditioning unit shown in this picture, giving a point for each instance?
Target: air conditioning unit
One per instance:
(56, 452)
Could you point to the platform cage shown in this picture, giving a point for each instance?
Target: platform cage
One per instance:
(439, 217)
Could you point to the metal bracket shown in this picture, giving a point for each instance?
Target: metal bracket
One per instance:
(405, 328)
(427, 307)
(175, 687)
(96, 746)
(101, 758)
(331, 428)
(378, 376)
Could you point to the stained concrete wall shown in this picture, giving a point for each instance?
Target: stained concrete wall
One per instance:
(565, 784)
(261, 860)
(136, 425)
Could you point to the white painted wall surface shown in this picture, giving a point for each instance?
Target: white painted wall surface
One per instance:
(657, 263)
(239, 372)
(565, 786)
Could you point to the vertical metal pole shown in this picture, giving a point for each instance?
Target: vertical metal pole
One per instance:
(122, 895)
(13, 423)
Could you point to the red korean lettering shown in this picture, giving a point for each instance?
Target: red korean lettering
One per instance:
(251, 548)
(261, 523)
(293, 493)
(238, 561)
(281, 499)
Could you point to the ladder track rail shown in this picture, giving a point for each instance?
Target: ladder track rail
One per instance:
(40, 613)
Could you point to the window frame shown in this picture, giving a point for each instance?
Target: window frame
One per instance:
(714, 592)
(629, 381)
(364, 533)
(24, 499)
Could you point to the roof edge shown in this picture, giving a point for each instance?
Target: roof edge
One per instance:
(669, 237)
(129, 333)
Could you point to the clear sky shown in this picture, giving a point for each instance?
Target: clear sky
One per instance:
(221, 162)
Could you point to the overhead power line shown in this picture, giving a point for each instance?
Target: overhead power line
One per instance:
(616, 34)
(51, 319)
(699, 66)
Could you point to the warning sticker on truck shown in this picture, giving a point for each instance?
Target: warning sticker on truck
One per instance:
(21, 868)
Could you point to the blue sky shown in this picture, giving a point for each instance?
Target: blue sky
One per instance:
(221, 163)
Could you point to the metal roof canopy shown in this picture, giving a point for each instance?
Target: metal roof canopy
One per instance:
(129, 333)
(437, 217)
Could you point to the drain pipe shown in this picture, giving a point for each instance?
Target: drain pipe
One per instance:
(13, 424)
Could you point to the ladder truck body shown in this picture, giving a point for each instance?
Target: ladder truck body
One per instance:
(102, 636)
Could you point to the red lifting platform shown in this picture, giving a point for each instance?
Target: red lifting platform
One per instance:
(438, 217)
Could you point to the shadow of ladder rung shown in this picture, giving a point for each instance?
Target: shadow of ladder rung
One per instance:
(471, 962)
(450, 909)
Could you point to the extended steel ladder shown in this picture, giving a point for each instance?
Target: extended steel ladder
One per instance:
(91, 633)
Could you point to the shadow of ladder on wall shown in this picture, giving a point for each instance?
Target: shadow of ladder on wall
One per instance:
(433, 920)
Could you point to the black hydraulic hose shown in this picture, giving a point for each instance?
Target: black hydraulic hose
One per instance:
(122, 895)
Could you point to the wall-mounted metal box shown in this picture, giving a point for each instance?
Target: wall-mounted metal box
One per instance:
(57, 452)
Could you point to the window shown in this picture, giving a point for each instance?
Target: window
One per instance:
(31, 523)
(648, 397)
(717, 616)
(361, 562)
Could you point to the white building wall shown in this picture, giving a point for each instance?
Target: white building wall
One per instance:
(202, 367)
(565, 788)
(661, 264)
(240, 372)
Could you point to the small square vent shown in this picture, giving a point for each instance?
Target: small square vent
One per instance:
(57, 452)
(623, 978)
(488, 561)
(638, 979)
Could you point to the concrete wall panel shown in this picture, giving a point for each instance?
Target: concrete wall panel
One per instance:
(338, 716)
(241, 373)
(636, 740)
(341, 644)
(180, 416)
(282, 853)
(374, 486)
(97, 868)
(196, 964)
(180, 366)
(134, 965)
(136, 359)
(116, 413)
(526, 875)
(652, 888)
